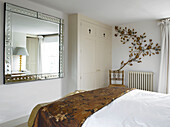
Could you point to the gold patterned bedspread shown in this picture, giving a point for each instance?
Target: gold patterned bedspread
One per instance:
(73, 110)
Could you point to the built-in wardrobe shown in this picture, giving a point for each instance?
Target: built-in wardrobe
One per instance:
(89, 53)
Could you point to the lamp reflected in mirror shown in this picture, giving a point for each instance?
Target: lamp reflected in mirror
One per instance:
(21, 51)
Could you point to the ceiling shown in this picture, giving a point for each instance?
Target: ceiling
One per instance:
(29, 25)
(113, 11)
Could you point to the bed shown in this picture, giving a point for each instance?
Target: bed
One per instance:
(106, 107)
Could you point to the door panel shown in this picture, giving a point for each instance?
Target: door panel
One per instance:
(101, 79)
(103, 57)
(88, 81)
(88, 29)
(87, 57)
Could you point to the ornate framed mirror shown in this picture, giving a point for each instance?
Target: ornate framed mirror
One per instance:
(33, 45)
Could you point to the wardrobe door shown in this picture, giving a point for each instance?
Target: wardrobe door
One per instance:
(87, 56)
(100, 56)
(103, 57)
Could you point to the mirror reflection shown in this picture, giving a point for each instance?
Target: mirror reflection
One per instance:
(35, 50)
(35, 46)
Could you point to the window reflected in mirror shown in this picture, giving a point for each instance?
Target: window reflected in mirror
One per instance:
(42, 53)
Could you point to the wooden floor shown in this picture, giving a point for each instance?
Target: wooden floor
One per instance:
(23, 125)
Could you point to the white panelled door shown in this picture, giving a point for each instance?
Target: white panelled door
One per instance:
(95, 56)
(87, 57)
(100, 63)
(103, 57)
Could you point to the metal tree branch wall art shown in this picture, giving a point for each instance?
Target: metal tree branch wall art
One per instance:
(139, 48)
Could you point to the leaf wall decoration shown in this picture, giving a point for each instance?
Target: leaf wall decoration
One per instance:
(139, 48)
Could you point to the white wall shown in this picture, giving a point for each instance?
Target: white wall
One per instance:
(17, 100)
(121, 52)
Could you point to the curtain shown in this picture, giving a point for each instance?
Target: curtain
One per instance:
(41, 40)
(164, 75)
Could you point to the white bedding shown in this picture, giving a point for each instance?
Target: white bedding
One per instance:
(135, 109)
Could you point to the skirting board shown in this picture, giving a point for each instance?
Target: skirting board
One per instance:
(15, 122)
